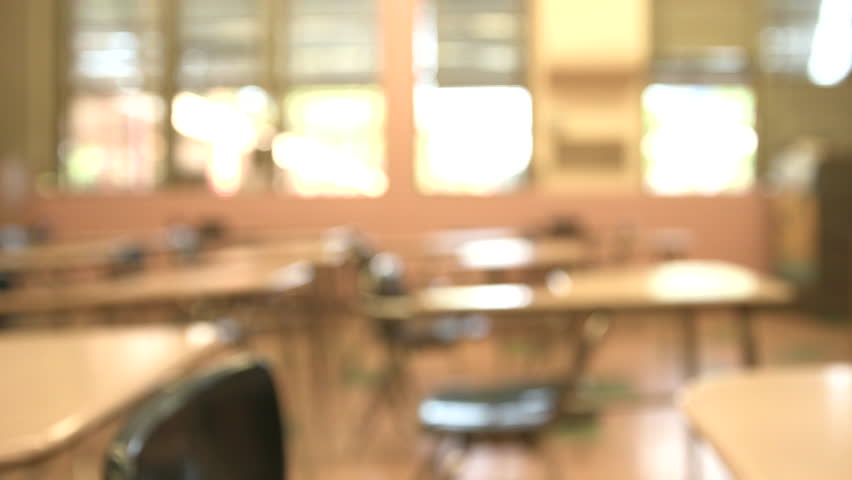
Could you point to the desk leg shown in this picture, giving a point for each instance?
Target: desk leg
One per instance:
(589, 330)
(318, 351)
(581, 352)
(748, 343)
(689, 337)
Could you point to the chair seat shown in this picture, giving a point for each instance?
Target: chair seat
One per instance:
(440, 332)
(515, 408)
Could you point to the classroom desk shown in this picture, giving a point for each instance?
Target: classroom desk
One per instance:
(316, 251)
(681, 286)
(271, 275)
(505, 253)
(62, 256)
(442, 240)
(493, 257)
(57, 385)
(99, 254)
(788, 423)
(248, 275)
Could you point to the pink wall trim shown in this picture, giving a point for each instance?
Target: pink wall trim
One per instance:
(733, 228)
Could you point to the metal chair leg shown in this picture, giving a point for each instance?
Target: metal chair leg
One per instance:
(748, 344)
(392, 392)
(432, 467)
(427, 469)
(689, 337)
(552, 468)
(588, 333)
(371, 414)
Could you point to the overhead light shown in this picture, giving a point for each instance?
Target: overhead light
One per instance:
(831, 48)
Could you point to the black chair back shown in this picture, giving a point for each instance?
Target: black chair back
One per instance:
(212, 231)
(387, 275)
(7, 281)
(624, 244)
(40, 233)
(565, 227)
(184, 243)
(220, 425)
(359, 248)
(126, 260)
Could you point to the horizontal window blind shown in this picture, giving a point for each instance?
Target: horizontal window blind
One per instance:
(786, 39)
(330, 42)
(481, 42)
(115, 44)
(220, 43)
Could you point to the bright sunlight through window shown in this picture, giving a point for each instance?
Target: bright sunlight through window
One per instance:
(334, 145)
(699, 139)
(472, 140)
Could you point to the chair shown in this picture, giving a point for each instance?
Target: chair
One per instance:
(671, 244)
(8, 281)
(184, 243)
(384, 294)
(14, 238)
(212, 231)
(624, 244)
(40, 233)
(219, 425)
(126, 259)
(560, 226)
(514, 412)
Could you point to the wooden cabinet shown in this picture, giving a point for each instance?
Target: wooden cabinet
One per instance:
(834, 269)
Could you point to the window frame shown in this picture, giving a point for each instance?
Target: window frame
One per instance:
(272, 59)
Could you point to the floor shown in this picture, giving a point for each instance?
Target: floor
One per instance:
(637, 432)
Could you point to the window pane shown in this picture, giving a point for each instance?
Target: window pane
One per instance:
(112, 136)
(335, 144)
(472, 113)
(472, 140)
(699, 139)
(221, 117)
(331, 42)
(317, 62)
(220, 136)
(333, 138)
(114, 44)
(786, 40)
(325, 53)
(481, 42)
(220, 42)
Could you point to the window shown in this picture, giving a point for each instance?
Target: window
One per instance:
(473, 112)
(246, 87)
(113, 135)
(811, 39)
(219, 112)
(334, 141)
(699, 124)
(699, 139)
(785, 42)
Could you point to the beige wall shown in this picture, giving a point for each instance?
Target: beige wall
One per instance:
(588, 73)
(691, 24)
(793, 108)
(13, 53)
(13, 106)
(730, 228)
(789, 107)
